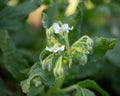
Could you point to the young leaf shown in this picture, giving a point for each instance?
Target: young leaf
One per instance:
(101, 44)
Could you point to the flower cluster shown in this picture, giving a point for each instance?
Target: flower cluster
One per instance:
(55, 47)
(60, 53)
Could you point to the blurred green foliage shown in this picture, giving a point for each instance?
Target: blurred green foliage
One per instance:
(20, 45)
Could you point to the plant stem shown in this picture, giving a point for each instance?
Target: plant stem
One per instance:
(67, 40)
(58, 84)
(68, 89)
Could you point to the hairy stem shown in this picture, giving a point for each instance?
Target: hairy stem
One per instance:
(67, 40)
(68, 89)
(55, 87)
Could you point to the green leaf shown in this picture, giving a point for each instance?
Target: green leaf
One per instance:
(114, 6)
(13, 60)
(92, 85)
(36, 71)
(38, 2)
(84, 92)
(36, 91)
(45, 20)
(11, 16)
(18, 12)
(10, 25)
(2, 89)
(3, 1)
(114, 55)
(102, 44)
(25, 85)
(29, 55)
(48, 2)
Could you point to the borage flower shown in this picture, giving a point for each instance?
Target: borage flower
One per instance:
(55, 48)
(63, 28)
(66, 28)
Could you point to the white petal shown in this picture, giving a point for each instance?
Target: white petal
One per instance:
(71, 28)
(66, 28)
(62, 48)
(55, 48)
(56, 28)
(48, 49)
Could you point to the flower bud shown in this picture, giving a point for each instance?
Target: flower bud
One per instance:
(83, 59)
(58, 70)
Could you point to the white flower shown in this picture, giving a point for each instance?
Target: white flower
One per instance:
(55, 48)
(66, 28)
(63, 28)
